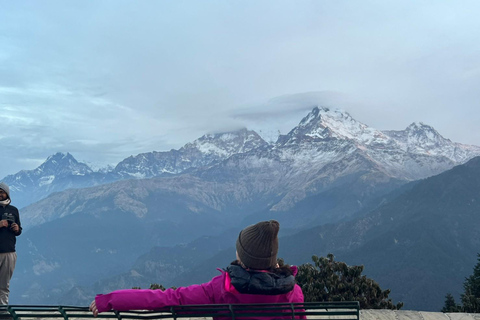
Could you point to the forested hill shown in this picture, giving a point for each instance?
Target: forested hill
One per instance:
(421, 244)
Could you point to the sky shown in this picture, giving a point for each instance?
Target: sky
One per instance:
(105, 79)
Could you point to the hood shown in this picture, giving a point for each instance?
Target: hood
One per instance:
(260, 282)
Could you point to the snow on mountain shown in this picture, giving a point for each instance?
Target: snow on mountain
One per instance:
(405, 154)
(57, 165)
(324, 137)
(223, 145)
(204, 151)
(419, 138)
(61, 163)
(326, 145)
(325, 123)
(59, 172)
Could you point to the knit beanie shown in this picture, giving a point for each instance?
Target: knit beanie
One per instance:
(257, 245)
(5, 188)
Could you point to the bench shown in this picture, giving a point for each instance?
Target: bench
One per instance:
(312, 310)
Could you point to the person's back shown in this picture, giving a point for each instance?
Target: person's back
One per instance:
(254, 277)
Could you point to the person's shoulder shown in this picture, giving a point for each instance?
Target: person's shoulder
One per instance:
(216, 281)
(13, 208)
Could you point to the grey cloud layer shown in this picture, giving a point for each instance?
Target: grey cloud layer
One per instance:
(107, 79)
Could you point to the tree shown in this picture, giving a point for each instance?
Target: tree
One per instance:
(330, 280)
(156, 286)
(471, 296)
(450, 304)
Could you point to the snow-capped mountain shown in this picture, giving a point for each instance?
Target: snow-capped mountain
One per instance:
(325, 123)
(417, 152)
(202, 152)
(322, 124)
(59, 172)
(57, 165)
(327, 145)
(419, 138)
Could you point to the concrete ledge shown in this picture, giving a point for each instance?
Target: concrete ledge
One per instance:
(415, 315)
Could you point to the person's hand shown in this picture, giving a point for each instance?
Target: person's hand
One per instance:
(3, 223)
(93, 308)
(15, 227)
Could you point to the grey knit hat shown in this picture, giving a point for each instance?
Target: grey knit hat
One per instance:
(257, 245)
(5, 188)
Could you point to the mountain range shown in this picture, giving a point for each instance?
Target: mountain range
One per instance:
(327, 170)
(62, 171)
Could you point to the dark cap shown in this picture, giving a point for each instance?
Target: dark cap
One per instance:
(257, 245)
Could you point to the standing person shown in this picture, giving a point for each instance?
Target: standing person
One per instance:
(10, 228)
(255, 277)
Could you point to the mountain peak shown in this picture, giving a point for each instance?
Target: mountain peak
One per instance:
(60, 163)
(422, 129)
(225, 135)
(419, 134)
(325, 123)
(224, 144)
(60, 156)
(204, 151)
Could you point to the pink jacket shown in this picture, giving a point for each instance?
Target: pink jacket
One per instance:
(219, 290)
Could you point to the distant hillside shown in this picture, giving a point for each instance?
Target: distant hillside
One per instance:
(420, 243)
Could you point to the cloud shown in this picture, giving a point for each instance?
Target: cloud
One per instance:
(104, 84)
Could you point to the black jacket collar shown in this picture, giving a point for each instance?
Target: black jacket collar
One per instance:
(259, 282)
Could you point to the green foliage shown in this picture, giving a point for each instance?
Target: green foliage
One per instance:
(156, 286)
(450, 305)
(330, 280)
(471, 296)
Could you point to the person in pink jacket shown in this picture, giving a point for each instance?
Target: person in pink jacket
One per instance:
(255, 277)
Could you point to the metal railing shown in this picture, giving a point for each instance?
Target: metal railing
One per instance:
(312, 310)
